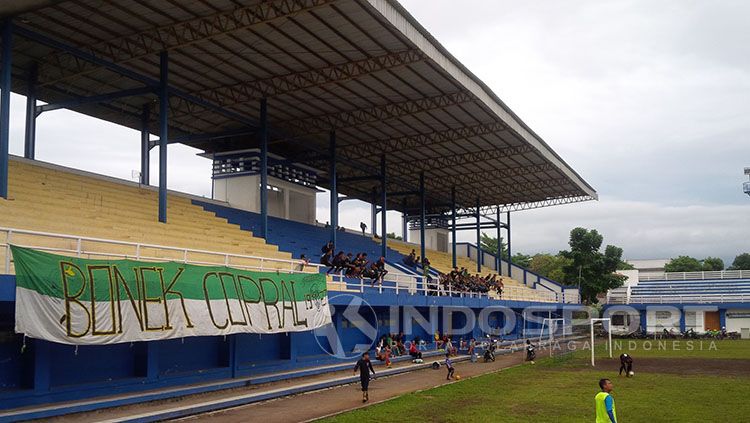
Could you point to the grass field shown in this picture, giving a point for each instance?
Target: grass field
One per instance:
(715, 389)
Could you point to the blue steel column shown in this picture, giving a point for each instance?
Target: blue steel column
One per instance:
(405, 222)
(421, 214)
(383, 202)
(498, 259)
(453, 226)
(509, 253)
(334, 188)
(374, 212)
(29, 145)
(6, 57)
(145, 145)
(263, 168)
(479, 242)
(163, 132)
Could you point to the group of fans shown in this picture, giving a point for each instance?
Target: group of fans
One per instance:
(462, 281)
(353, 266)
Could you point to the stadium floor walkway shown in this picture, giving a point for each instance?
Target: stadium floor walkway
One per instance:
(318, 404)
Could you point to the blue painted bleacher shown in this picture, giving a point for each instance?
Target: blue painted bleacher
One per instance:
(691, 288)
(300, 238)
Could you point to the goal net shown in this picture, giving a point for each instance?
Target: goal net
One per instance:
(600, 329)
(552, 334)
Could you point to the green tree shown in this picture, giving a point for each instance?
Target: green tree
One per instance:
(489, 244)
(713, 264)
(522, 260)
(592, 270)
(741, 262)
(392, 235)
(549, 266)
(683, 264)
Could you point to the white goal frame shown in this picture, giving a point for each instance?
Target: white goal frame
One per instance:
(548, 323)
(609, 336)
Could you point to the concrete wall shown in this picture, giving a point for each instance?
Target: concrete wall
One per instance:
(434, 239)
(285, 200)
(736, 319)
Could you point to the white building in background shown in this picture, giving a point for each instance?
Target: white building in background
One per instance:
(647, 267)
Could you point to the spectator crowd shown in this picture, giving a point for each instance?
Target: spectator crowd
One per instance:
(352, 266)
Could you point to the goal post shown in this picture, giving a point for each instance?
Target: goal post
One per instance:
(552, 326)
(608, 322)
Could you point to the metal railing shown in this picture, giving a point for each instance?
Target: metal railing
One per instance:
(696, 276)
(682, 299)
(90, 247)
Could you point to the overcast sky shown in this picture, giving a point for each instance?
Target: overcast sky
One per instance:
(648, 101)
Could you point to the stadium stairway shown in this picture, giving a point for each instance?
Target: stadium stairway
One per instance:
(55, 199)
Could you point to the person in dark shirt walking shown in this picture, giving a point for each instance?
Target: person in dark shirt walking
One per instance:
(364, 365)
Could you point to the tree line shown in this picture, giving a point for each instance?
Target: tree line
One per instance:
(692, 264)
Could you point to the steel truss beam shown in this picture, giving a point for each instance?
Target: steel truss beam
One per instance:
(358, 117)
(515, 188)
(247, 91)
(169, 37)
(94, 99)
(433, 163)
(532, 204)
(411, 142)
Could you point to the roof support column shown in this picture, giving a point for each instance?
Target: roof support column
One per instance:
(6, 56)
(374, 212)
(509, 253)
(479, 241)
(453, 226)
(163, 132)
(29, 144)
(421, 215)
(263, 168)
(383, 203)
(498, 258)
(405, 223)
(334, 188)
(145, 145)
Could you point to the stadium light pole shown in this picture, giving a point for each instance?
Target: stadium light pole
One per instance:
(5, 74)
(29, 144)
(145, 144)
(453, 227)
(264, 168)
(333, 177)
(163, 132)
(383, 200)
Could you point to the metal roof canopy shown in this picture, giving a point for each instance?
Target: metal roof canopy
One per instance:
(364, 68)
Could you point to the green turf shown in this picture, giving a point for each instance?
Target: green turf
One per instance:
(682, 348)
(563, 389)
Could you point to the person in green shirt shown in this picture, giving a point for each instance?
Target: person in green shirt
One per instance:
(605, 404)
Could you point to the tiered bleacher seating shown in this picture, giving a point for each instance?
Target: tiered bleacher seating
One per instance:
(443, 262)
(54, 199)
(722, 290)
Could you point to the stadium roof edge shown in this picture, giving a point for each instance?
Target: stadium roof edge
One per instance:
(504, 111)
(369, 70)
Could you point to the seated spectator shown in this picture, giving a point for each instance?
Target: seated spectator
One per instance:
(378, 271)
(413, 351)
(438, 340)
(338, 262)
(327, 260)
(304, 261)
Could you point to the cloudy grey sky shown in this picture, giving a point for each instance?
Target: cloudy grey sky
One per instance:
(648, 101)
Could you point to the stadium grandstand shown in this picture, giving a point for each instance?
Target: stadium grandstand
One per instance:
(707, 301)
(285, 98)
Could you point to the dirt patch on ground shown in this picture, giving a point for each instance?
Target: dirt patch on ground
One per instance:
(681, 366)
